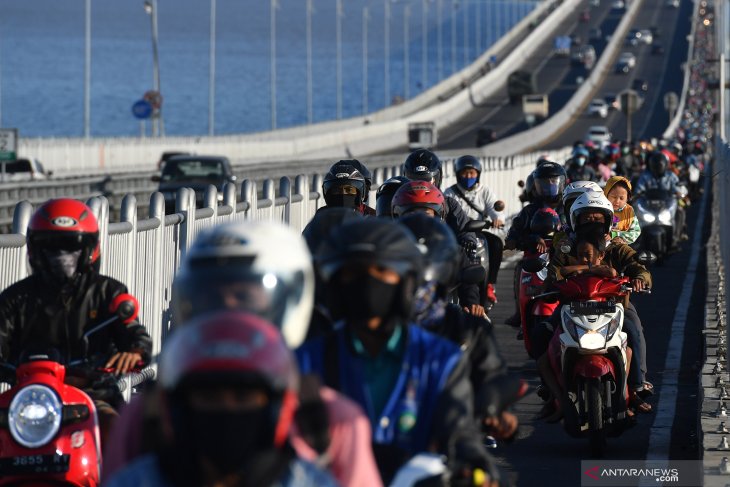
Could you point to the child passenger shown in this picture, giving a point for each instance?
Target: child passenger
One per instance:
(625, 228)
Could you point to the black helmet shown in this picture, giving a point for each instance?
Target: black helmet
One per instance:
(658, 164)
(371, 241)
(344, 185)
(467, 162)
(385, 193)
(442, 251)
(365, 173)
(549, 180)
(423, 165)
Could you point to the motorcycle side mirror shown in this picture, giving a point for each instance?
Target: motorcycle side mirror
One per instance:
(498, 205)
(155, 178)
(533, 265)
(646, 258)
(475, 226)
(473, 275)
(126, 307)
(521, 183)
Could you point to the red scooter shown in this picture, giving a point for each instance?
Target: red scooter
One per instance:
(533, 311)
(49, 433)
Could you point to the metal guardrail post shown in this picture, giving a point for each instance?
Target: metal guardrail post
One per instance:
(21, 217)
(229, 198)
(185, 204)
(128, 213)
(286, 192)
(210, 198)
(301, 187)
(317, 187)
(100, 207)
(248, 194)
(269, 193)
(154, 325)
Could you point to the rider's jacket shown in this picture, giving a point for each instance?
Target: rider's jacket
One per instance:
(430, 404)
(146, 472)
(668, 182)
(33, 317)
(481, 197)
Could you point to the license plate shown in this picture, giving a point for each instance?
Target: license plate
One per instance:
(34, 464)
(592, 308)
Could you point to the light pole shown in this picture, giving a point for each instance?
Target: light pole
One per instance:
(274, 4)
(386, 61)
(310, 110)
(150, 6)
(365, 20)
(478, 27)
(424, 45)
(498, 17)
(211, 81)
(439, 40)
(454, 8)
(338, 43)
(466, 32)
(87, 73)
(406, 51)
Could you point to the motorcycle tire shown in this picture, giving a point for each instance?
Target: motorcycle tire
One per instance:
(596, 431)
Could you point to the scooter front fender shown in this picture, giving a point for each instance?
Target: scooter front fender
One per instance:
(593, 367)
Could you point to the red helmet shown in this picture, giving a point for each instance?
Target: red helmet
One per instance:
(66, 224)
(233, 347)
(545, 222)
(418, 194)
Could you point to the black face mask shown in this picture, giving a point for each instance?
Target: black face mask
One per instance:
(229, 440)
(343, 200)
(61, 266)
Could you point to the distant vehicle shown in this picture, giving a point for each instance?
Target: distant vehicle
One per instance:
(598, 107)
(640, 85)
(561, 46)
(595, 34)
(535, 108)
(576, 39)
(611, 100)
(422, 135)
(657, 49)
(628, 58)
(519, 84)
(622, 67)
(598, 134)
(485, 135)
(672, 3)
(646, 37)
(168, 155)
(195, 172)
(655, 31)
(585, 16)
(595, 3)
(23, 170)
(584, 55)
(618, 5)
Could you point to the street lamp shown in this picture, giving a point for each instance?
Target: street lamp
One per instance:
(310, 109)
(466, 32)
(386, 59)
(151, 8)
(439, 40)
(274, 5)
(406, 51)
(424, 46)
(365, 20)
(211, 81)
(87, 73)
(454, 8)
(338, 44)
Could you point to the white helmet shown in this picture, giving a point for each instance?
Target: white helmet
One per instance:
(574, 190)
(261, 267)
(592, 201)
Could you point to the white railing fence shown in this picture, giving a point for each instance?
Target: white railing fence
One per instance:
(145, 253)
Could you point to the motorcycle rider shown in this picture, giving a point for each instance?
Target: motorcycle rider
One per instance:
(577, 169)
(657, 176)
(593, 213)
(64, 297)
(478, 202)
(549, 182)
(229, 391)
(265, 269)
(347, 184)
(473, 334)
(384, 195)
(412, 384)
(425, 197)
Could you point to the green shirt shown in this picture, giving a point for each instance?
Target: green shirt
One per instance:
(382, 371)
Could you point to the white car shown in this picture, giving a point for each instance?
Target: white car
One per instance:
(598, 107)
(646, 37)
(598, 134)
(23, 170)
(673, 3)
(627, 58)
(618, 5)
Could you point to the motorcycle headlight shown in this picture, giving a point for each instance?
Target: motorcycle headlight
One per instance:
(665, 217)
(34, 416)
(648, 217)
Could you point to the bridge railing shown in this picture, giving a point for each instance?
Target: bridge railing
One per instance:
(145, 253)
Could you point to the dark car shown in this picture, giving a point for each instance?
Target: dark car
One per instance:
(595, 34)
(611, 101)
(166, 156)
(486, 135)
(195, 172)
(640, 85)
(657, 49)
(622, 67)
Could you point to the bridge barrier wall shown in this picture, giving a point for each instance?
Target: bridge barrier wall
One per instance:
(358, 136)
(145, 253)
(542, 134)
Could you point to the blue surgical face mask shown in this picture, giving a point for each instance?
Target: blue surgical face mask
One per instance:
(580, 161)
(468, 183)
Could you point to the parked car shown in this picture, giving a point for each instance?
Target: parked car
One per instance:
(640, 85)
(657, 49)
(195, 172)
(23, 170)
(598, 107)
(599, 134)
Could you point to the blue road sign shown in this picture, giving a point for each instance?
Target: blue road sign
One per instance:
(142, 109)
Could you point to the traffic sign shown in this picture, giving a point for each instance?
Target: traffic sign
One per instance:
(8, 144)
(629, 100)
(142, 109)
(671, 101)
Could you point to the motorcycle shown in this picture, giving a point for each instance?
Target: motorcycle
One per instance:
(49, 432)
(591, 362)
(656, 210)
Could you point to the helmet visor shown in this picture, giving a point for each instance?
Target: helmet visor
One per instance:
(548, 186)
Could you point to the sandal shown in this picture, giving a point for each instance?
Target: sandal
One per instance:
(639, 405)
(646, 390)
